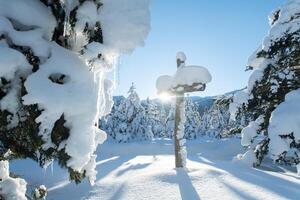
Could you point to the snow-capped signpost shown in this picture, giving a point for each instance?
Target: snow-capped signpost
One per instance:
(186, 79)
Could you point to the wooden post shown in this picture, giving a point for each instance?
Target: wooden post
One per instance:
(179, 90)
(179, 126)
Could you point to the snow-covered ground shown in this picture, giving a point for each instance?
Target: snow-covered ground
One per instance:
(146, 171)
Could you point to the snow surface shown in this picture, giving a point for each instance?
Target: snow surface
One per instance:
(139, 171)
(285, 119)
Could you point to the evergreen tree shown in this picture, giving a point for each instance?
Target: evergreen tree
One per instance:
(155, 117)
(193, 119)
(53, 58)
(127, 120)
(55, 27)
(170, 123)
(276, 73)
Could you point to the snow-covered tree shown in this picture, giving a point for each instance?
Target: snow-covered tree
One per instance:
(170, 123)
(53, 59)
(127, 120)
(193, 119)
(155, 117)
(216, 120)
(271, 88)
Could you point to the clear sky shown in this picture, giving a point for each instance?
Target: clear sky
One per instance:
(217, 34)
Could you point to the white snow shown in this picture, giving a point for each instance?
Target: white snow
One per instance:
(164, 83)
(285, 119)
(11, 62)
(181, 56)
(4, 170)
(139, 171)
(125, 24)
(240, 98)
(11, 188)
(248, 158)
(250, 131)
(285, 23)
(188, 75)
(84, 94)
(185, 75)
(58, 99)
(30, 13)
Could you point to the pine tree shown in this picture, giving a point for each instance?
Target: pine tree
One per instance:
(20, 129)
(155, 117)
(193, 119)
(170, 123)
(53, 59)
(276, 73)
(127, 120)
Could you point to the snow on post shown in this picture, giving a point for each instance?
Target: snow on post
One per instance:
(186, 79)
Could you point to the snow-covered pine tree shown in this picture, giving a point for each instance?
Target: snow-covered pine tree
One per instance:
(170, 123)
(193, 119)
(53, 59)
(155, 117)
(276, 73)
(127, 120)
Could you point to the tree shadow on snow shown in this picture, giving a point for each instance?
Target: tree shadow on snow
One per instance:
(187, 190)
(132, 167)
(106, 168)
(285, 188)
(182, 179)
(118, 194)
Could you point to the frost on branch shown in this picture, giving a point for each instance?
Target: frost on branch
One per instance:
(54, 56)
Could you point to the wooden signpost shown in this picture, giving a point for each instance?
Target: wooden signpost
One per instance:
(187, 79)
(179, 91)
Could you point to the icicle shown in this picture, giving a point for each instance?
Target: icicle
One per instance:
(66, 23)
(52, 167)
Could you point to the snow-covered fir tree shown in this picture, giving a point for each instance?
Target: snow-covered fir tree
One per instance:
(155, 117)
(216, 121)
(128, 121)
(53, 59)
(273, 90)
(170, 123)
(193, 119)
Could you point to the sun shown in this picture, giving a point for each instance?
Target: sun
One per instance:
(165, 97)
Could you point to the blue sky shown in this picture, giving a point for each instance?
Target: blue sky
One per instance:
(217, 34)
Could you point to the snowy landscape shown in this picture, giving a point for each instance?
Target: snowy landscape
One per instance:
(66, 134)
